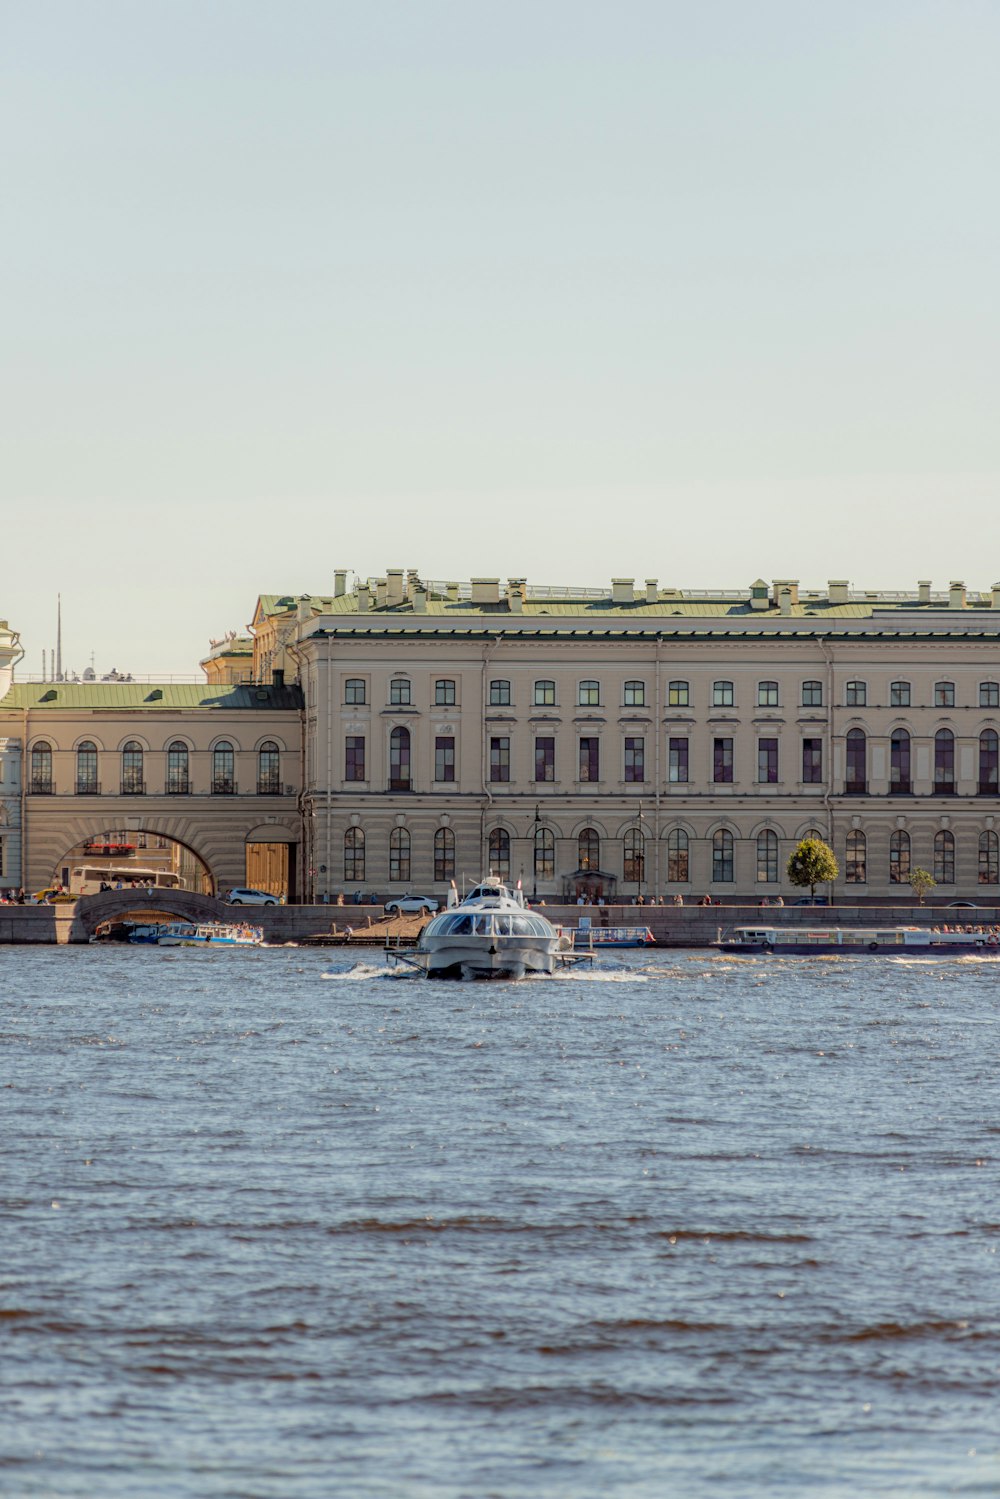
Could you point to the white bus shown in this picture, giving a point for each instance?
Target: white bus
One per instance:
(90, 879)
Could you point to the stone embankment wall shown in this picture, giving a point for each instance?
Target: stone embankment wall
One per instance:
(672, 926)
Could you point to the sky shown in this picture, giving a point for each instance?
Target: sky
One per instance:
(558, 289)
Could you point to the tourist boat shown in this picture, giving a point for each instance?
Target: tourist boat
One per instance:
(801, 941)
(489, 934)
(195, 934)
(589, 936)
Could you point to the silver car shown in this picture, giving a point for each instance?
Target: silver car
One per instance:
(252, 898)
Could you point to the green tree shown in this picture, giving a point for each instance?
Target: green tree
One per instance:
(922, 882)
(813, 863)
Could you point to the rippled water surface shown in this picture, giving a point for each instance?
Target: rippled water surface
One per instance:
(274, 1228)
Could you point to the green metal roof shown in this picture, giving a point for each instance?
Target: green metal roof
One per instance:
(148, 695)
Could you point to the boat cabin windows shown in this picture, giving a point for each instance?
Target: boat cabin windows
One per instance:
(722, 695)
(355, 690)
(444, 692)
(767, 694)
(899, 694)
(989, 694)
(545, 694)
(856, 694)
(812, 694)
(678, 695)
(635, 695)
(589, 695)
(944, 694)
(499, 693)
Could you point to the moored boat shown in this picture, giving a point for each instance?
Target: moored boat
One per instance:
(802, 941)
(195, 934)
(612, 936)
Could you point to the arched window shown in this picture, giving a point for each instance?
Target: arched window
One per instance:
(767, 694)
(988, 761)
(635, 694)
(500, 853)
(722, 694)
(354, 854)
(399, 760)
(989, 859)
(812, 694)
(899, 858)
(944, 763)
(900, 783)
(444, 854)
(269, 769)
(677, 857)
(223, 770)
(944, 857)
(132, 769)
(399, 855)
(588, 850)
(635, 856)
(589, 695)
(767, 857)
(857, 858)
(545, 854)
(86, 769)
(178, 771)
(856, 781)
(545, 694)
(354, 690)
(722, 857)
(41, 769)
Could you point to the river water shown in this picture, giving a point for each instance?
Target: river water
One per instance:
(277, 1226)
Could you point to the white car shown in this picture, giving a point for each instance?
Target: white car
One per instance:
(407, 905)
(252, 898)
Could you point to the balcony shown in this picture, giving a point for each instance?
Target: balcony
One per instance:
(133, 787)
(271, 786)
(224, 786)
(41, 786)
(177, 786)
(88, 787)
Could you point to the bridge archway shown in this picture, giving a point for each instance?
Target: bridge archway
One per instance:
(132, 857)
(93, 911)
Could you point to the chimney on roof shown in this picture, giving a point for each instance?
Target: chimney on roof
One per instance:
(486, 590)
(515, 595)
(303, 608)
(339, 583)
(623, 590)
(956, 595)
(419, 597)
(924, 591)
(412, 581)
(996, 595)
(381, 592)
(453, 593)
(395, 593)
(652, 590)
(364, 598)
(838, 591)
(785, 601)
(758, 595)
(792, 584)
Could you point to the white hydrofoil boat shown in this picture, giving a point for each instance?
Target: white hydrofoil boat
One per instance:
(489, 934)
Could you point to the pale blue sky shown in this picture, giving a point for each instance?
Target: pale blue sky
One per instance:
(557, 289)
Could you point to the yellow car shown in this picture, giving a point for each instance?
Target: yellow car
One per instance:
(50, 896)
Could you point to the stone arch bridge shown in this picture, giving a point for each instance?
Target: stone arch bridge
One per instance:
(138, 905)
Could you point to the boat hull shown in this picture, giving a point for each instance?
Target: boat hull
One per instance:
(488, 958)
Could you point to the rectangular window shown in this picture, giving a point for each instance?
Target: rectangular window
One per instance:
(767, 761)
(677, 770)
(545, 694)
(722, 695)
(399, 692)
(444, 757)
(989, 694)
(899, 694)
(856, 694)
(767, 694)
(812, 694)
(722, 760)
(678, 695)
(354, 690)
(944, 694)
(590, 759)
(635, 759)
(545, 759)
(354, 758)
(499, 693)
(444, 692)
(635, 694)
(500, 759)
(812, 761)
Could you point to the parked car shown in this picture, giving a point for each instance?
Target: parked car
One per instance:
(252, 898)
(812, 900)
(411, 905)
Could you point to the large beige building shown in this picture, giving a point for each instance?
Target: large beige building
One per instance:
(402, 733)
(648, 739)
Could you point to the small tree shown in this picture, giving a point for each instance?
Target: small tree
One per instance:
(813, 863)
(922, 882)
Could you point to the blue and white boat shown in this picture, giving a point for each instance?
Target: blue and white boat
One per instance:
(195, 934)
